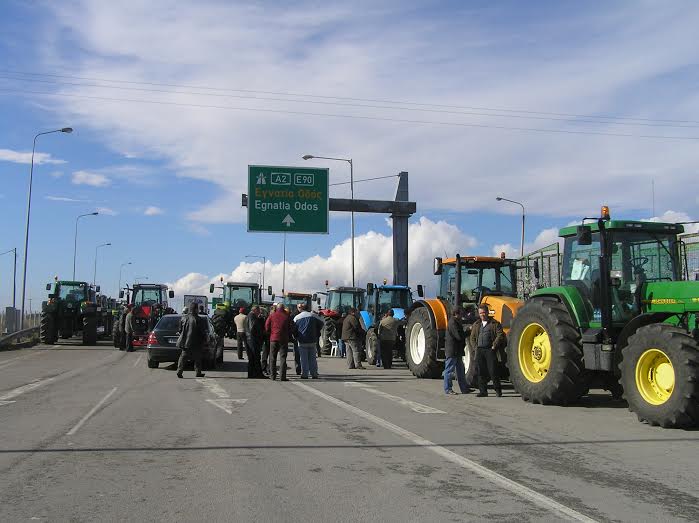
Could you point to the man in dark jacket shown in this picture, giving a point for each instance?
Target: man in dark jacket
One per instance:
(308, 327)
(254, 330)
(294, 336)
(278, 327)
(487, 336)
(192, 338)
(352, 334)
(454, 343)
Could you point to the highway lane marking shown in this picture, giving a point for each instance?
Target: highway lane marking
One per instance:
(138, 360)
(224, 401)
(214, 388)
(226, 405)
(412, 405)
(89, 414)
(14, 360)
(490, 475)
(26, 388)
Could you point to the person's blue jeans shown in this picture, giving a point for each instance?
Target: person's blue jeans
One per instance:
(341, 348)
(379, 362)
(455, 365)
(307, 351)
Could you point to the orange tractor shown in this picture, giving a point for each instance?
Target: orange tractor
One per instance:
(464, 282)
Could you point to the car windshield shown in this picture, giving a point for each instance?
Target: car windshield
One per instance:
(394, 299)
(146, 297)
(239, 296)
(343, 301)
(71, 291)
(169, 324)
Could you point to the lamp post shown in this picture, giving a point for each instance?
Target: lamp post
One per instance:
(121, 267)
(75, 242)
(94, 274)
(501, 199)
(348, 160)
(14, 272)
(67, 130)
(136, 278)
(264, 264)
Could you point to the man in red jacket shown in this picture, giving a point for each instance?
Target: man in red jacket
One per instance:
(278, 326)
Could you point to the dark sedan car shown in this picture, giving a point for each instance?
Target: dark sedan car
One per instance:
(162, 343)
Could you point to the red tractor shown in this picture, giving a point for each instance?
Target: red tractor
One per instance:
(149, 301)
(338, 301)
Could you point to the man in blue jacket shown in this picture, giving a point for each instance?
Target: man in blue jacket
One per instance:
(308, 328)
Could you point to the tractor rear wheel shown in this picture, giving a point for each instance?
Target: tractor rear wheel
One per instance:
(47, 329)
(327, 334)
(220, 324)
(89, 330)
(372, 347)
(422, 345)
(660, 376)
(544, 354)
(470, 367)
(116, 333)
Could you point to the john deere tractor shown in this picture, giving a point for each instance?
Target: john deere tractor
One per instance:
(149, 302)
(236, 296)
(621, 319)
(70, 309)
(338, 301)
(381, 299)
(465, 282)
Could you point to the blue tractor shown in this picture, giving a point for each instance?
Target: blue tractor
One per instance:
(380, 299)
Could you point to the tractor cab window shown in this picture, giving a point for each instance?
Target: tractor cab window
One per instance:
(71, 292)
(147, 297)
(239, 296)
(393, 299)
(344, 301)
(477, 280)
(581, 268)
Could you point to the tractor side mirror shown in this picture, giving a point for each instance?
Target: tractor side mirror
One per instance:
(437, 266)
(536, 269)
(97, 289)
(211, 288)
(51, 296)
(420, 291)
(121, 295)
(48, 286)
(170, 294)
(314, 297)
(369, 288)
(584, 235)
(269, 291)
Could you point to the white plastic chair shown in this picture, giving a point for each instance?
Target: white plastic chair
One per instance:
(334, 349)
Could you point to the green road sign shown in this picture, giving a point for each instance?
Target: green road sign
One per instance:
(287, 199)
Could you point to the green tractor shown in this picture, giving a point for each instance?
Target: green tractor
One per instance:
(235, 296)
(70, 309)
(621, 319)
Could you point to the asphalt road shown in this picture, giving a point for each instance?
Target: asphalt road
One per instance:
(92, 434)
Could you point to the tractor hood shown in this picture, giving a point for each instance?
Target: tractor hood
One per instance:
(671, 296)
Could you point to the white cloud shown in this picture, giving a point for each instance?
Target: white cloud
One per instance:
(56, 174)
(374, 261)
(675, 217)
(543, 239)
(90, 178)
(9, 155)
(153, 211)
(66, 199)
(107, 211)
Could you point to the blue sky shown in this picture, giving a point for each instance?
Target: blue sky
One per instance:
(171, 101)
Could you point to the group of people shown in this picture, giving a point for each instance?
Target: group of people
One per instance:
(280, 327)
(487, 337)
(352, 334)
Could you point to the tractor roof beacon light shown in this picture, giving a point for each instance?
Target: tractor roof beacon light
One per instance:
(605, 213)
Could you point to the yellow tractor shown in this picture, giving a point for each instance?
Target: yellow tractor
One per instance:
(464, 282)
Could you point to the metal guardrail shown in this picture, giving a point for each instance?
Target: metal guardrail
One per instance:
(23, 336)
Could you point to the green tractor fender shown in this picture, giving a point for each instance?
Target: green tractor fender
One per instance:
(640, 321)
(579, 309)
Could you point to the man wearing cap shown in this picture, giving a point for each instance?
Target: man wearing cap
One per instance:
(239, 321)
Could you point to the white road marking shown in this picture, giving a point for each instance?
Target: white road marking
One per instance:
(214, 388)
(226, 405)
(89, 414)
(138, 360)
(26, 388)
(412, 405)
(5, 403)
(490, 475)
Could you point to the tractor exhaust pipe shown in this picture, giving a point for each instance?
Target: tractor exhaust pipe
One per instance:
(457, 283)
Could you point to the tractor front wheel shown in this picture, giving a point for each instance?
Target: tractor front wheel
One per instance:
(371, 347)
(327, 334)
(660, 376)
(470, 367)
(422, 345)
(544, 354)
(47, 330)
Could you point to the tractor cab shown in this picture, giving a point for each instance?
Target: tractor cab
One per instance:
(340, 300)
(242, 294)
(292, 299)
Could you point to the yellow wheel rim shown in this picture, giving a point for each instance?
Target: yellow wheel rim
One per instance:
(655, 376)
(534, 352)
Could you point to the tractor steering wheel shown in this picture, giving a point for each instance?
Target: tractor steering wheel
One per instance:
(639, 262)
(482, 289)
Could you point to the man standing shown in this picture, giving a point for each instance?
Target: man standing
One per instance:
(262, 318)
(351, 335)
(192, 340)
(294, 336)
(239, 321)
(487, 336)
(454, 343)
(308, 327)
(387, 332)
(254, 331)
(278, 327)
(129, 327)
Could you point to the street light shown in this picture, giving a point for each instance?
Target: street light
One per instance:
(259, 275)
(66, 130)
(14, 277)
(94, 274)
(348, 160)
(75, 243)
(121, 267)
(501, 199)
(264, 264)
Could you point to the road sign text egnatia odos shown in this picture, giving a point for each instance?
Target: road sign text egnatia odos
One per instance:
(287, 199)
